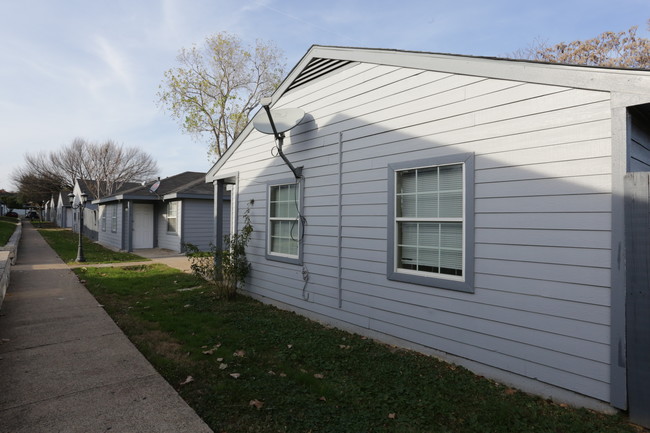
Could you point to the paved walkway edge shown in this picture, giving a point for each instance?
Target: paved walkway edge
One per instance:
(65, 366)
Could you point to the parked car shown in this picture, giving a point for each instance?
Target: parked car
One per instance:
(12, 214)
(33, 215)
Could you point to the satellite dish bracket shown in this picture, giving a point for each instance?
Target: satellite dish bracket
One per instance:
(279, 136)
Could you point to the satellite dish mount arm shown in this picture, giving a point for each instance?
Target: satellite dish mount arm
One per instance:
(279, 136)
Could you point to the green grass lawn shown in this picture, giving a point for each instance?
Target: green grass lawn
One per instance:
(65, 243)
(7, 228)
(248, 367)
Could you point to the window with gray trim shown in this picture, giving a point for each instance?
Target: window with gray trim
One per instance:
(114, 218)
(431, 222)
(172, 217)
(102, 209)
(284, 225)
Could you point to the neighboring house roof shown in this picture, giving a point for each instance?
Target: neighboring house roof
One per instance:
(62, 199)
(323, 60)
(189, 184)
(84, 187)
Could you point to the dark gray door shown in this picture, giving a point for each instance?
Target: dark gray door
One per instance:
(637, 237)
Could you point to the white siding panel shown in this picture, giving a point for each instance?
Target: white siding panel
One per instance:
(542, 216)
(587, 385)
(550, 203)
(543, 220)
(549, 238)
(535, 187)
(582, 167)
(524, 343)
(541, 255)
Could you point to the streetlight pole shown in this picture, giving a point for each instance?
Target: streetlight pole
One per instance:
(80, 206)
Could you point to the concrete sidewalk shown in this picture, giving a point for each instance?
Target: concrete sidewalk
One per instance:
(65, 366)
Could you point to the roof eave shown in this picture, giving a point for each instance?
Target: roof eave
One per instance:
(615, 80)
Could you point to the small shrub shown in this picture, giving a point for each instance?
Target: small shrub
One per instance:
(226, 269)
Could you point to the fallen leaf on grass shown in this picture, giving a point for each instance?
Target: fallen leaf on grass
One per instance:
(187, 380)
(510, 391)
(258, 404)
(319, 376)
(322, 399)
(271, 372)
(289, 346)
(283, 375)
(392, 416)
(235, 375)
(211, 351)
(239, 353)
(223, 366)
(343, 346)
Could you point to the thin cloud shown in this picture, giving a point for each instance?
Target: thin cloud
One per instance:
(116, 61)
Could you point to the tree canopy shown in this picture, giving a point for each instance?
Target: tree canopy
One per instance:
(609, 49)
(104, 167)
(216, 87)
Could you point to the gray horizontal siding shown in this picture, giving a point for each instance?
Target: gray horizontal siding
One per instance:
(107, 237)
(543, 215)
(197, 223)
(168, 240)
(639, 147)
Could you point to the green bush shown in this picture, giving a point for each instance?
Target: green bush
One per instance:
(225, 268)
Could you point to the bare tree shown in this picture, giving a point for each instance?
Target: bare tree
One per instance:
(103, 167)
(609, 49)
(110, 166)
(214, 90)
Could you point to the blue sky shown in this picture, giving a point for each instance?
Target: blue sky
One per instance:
(91, 69)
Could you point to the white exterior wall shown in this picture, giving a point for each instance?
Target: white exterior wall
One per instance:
(541, 306)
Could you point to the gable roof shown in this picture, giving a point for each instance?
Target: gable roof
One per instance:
(83, 186)
(189, 184)
(321, 60)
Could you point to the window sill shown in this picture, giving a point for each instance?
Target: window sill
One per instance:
(284, 259)
(432, 281)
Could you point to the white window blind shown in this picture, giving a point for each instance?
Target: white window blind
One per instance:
(284, 219)
(429, 220)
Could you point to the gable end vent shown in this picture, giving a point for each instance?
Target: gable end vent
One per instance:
(317, 68)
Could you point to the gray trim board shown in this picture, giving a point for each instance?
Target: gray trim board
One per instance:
(618, 368)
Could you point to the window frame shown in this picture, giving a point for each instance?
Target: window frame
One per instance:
(173, 204)
(285, 258)
(102, 210)
(464, 283)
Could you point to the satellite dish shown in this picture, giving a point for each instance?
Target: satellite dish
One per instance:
(283, 118)
(154, 187)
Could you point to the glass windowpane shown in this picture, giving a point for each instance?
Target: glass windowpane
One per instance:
(430, 244)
